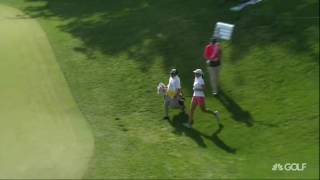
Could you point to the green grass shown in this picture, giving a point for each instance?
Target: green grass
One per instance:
(113, 54)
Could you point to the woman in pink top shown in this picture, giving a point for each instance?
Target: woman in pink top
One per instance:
(212, 54)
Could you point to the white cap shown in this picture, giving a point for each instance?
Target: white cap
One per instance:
(198, 71)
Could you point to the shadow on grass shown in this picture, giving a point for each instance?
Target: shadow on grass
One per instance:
(198, 136)
(176, 31)
(238, 114)
(276, 22)
(143, 30)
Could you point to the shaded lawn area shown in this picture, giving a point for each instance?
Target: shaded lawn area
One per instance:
(114, 53)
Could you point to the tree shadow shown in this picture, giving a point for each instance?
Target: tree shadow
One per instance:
(238, 114)
(198, 136)
(272, 22)
(175, 31)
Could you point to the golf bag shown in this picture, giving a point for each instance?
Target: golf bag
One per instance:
(177, 102)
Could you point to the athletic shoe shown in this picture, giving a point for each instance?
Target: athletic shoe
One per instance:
(187, 125)
(217, 114)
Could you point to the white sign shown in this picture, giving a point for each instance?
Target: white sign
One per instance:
(223, 30)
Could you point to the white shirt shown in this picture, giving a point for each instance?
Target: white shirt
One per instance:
(198, 83)
(173, 86)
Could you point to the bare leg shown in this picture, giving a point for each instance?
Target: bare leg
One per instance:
(193, 108)
(205, 110)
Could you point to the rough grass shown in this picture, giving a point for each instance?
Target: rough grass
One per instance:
(113, 54)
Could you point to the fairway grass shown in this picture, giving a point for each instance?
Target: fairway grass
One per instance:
(42, 132)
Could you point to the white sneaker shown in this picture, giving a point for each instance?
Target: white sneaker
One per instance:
(187, 125)
(217, 114)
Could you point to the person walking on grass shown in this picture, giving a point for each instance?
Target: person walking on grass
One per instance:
(173, 97)
(198, 98)
(212, 54)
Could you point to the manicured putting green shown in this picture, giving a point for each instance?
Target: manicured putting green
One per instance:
(42, 132)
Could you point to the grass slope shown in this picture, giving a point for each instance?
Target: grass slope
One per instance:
(42, 132)
(113, 54)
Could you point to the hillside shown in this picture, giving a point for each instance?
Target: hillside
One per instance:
(114, 53)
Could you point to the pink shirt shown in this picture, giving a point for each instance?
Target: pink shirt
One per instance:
(212, 52)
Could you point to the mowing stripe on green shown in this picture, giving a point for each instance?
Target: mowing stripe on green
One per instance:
(42, 132)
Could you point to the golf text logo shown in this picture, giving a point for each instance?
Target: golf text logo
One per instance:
(289, 167)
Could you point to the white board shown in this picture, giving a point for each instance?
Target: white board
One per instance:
(223, 30)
